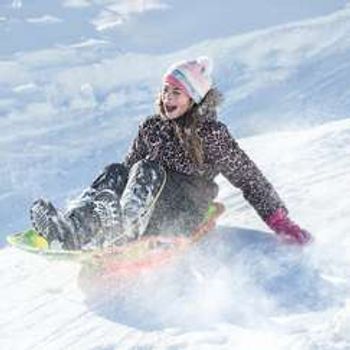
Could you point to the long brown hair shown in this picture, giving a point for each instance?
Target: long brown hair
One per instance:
(186, 129)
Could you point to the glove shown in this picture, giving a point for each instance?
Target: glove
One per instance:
(289, 231)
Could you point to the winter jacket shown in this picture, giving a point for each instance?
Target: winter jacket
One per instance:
(157, 141)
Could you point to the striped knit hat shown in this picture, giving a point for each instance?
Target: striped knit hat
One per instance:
(193, 77)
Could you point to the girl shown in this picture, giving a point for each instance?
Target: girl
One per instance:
(166, 181)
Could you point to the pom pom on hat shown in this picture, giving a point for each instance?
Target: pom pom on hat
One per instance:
(192, 76)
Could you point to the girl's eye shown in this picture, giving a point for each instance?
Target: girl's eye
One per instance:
(171, 92)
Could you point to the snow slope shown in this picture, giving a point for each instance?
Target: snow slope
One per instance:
(145, 26)
(70, 103)
(239, 289)
(62, 106)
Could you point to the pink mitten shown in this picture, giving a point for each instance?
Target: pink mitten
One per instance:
(287, 229)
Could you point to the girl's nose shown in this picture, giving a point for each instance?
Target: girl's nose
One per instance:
(168, 97)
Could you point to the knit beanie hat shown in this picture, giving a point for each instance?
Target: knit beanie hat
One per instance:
(192, 77)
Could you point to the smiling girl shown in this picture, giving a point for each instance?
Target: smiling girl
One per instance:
(166, 181)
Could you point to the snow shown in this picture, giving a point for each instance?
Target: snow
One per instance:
(117, 14)
(72, 106)
(46, 19)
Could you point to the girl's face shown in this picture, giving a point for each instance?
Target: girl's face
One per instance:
(175, 101)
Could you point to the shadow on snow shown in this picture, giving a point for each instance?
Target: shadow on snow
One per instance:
(235, 275)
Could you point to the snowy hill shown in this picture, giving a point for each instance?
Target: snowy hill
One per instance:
(63, 106)
(145, 26)
(239, 289)
(71, 95)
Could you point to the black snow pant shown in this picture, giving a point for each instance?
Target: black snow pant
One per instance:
(152, 201)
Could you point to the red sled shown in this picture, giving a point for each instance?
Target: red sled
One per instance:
(145, 253)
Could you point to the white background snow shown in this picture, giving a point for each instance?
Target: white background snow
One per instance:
(76, 78)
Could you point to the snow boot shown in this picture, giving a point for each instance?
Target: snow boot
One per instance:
(51, 224)
(108, 212)
(96, 219)
(145, 183)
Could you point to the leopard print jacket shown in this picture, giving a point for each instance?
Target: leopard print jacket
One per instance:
(157, 141)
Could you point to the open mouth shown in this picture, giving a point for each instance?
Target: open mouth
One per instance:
(170, 109)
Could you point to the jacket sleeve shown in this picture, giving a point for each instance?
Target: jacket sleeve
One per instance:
(138, 148)
(242, 172)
